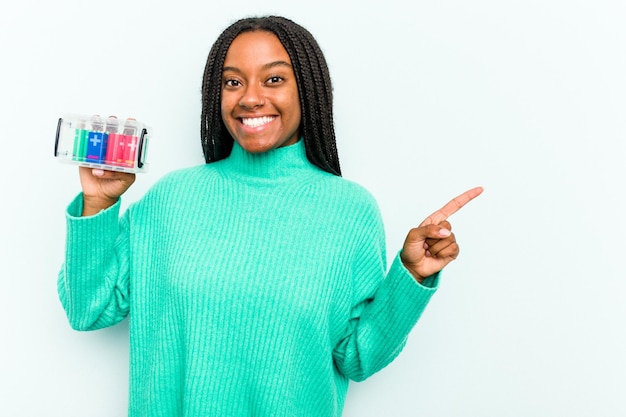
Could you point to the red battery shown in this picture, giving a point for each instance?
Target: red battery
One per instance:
(114, 149)
(130, 150)
(128, 156)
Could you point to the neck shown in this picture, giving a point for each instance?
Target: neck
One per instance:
(277, 164)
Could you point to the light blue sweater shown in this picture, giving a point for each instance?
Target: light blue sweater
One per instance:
(256, 286)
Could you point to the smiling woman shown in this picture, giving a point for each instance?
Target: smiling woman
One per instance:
(260, 104)
(313, 84)
(257, 282)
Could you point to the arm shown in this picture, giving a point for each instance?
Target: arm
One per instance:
(379, 325)
(385, 305)
(389, 308)
(93, 284)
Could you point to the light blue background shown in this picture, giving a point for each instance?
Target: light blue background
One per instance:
(527, 98)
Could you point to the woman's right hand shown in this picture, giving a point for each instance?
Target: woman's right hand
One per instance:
(102, 189)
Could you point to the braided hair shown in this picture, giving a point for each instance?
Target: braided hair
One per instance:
(312, 79)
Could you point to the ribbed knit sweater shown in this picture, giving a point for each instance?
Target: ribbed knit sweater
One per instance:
(255, 286)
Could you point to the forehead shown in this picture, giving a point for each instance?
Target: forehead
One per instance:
(256, 47)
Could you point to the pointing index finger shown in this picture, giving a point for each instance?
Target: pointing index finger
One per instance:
(453, 206)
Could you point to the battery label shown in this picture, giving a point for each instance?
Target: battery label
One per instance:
(80, 145)
(96, 146)
(131, 150)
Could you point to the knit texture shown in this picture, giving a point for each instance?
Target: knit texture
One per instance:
(255, 286)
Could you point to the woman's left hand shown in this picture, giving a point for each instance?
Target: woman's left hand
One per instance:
(431, 246)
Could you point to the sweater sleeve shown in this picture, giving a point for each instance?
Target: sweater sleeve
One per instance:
(385, 308)
(93, 284)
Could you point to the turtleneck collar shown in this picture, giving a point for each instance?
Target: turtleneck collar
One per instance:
(280, 163)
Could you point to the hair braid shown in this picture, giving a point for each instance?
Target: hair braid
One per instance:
(322, 118)
(215, 138)
(314, 88)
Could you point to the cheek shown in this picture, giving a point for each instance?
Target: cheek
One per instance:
(229, 122)
(227, 102)
(296, 115)
(225, 109)
(291, 102)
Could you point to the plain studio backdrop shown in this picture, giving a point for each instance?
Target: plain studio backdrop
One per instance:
(526, 98)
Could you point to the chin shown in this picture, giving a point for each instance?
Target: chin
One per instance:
(256, 147)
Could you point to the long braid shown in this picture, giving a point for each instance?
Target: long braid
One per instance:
(314, 87)
(323, 108)
(216, 141)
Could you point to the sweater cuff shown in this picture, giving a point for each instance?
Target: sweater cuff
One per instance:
(75, 209)
(408, 291)
(82, 230)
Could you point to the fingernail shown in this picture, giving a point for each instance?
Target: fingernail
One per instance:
(97, 172)
(444, 232)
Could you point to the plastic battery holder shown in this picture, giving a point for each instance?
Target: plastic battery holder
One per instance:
(107, 143)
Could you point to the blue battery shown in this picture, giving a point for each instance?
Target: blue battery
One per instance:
(96, 146)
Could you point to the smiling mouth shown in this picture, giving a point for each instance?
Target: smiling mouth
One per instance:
(256, 121)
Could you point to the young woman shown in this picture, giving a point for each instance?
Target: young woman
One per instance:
(256, 284)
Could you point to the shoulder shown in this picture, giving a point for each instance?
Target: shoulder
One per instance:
(348, 197)
(176, 186)
(181, 178)
(348, 189)
(184, 175)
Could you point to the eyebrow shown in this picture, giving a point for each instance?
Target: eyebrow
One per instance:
(267, 66)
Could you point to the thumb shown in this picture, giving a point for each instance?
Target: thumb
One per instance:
(432, 231)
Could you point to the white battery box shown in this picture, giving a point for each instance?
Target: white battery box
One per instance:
(107, 143)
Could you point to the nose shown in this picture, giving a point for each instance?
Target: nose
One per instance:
(252, 97)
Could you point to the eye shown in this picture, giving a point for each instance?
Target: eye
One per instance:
(231, 82)
(275, 79)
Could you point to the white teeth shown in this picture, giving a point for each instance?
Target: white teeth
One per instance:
(256, 121)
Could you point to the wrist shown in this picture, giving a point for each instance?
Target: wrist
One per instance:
(94, 205)
(412, 270)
